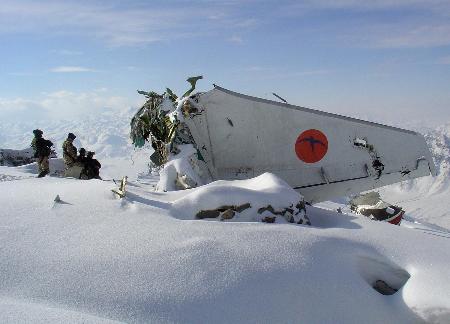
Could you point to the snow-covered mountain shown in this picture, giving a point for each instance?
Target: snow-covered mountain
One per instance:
(106, 133)
(428, 198)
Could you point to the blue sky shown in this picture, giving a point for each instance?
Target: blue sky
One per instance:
(381, 60)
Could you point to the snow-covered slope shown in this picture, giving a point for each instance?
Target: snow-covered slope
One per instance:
(428, 198)
(94, 257)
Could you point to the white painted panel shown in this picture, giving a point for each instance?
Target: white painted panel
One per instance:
(249, 136)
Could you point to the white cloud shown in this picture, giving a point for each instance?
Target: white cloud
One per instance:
(123, 23)
(408, 24)
(268, 73)
(67, 52)
(67, 104)
(409, 35)
(102, 89)
(372, 5)
(236, 39)
(118, 26)
(62, 104)
(70, 69)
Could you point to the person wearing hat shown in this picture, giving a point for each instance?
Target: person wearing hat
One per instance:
(92, 166)
(82, 163)
(37, 134)
(69, 151)
(81, 155)
(42, 150)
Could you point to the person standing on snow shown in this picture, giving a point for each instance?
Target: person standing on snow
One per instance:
(69, 151)
(42, 150)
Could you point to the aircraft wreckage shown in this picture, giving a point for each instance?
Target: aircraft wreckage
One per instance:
(236, 136)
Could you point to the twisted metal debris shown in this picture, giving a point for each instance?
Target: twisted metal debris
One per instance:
(156, 122)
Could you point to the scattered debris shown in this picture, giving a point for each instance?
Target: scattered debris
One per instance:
(121, 192)
(291, 214)
(267, 214)
(183, 171)
(371, 205)
(243, 207)
(59, 201)
(158, 119)
(225, 212)
(279, 97)
(405, 172)
(269, 219)
(377, 165)
(361, 142)
(160, 122)
(183, 181)
(207, 214)
(383, 288)
(228, 214)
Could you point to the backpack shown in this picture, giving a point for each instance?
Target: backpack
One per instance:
(43, 147)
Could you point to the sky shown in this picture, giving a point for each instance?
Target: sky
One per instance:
(382, 60)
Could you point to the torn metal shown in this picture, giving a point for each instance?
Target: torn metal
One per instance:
(372, 206)
(158, 123)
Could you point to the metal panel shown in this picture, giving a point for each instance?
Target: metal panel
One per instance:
(246, 136)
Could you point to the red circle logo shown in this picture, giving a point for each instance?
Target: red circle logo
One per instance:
(311, 146)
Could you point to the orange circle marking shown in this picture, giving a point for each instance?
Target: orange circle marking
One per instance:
(311, 146)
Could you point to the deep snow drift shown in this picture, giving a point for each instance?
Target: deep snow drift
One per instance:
(94, 256)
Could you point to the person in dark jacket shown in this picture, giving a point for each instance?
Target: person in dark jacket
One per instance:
(81, 161)
(92, 166)
(81, 158)
(42, 150)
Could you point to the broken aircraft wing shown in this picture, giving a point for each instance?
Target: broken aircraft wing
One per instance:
(320, 154)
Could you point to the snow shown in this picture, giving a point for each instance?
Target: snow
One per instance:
(180, 164)
(136, 259)
(259, 192)
(95, 258)
(427, 199)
